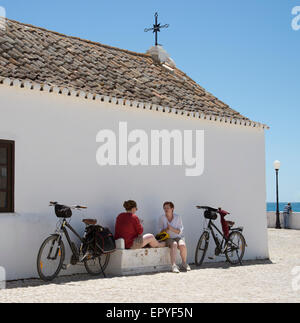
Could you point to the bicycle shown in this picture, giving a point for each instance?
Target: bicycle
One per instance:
(51, 256)
(233, 246)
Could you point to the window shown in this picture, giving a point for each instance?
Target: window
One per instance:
(7, 151)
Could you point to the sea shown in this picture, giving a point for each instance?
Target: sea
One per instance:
(271, 206)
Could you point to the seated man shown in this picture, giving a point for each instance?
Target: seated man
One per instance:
(129, 227)
(172, 224)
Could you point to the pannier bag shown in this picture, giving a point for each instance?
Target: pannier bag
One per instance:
(101, 238)
(105, 240)
(62, 211)
(211, 215)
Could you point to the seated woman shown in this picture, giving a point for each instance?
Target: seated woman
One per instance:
(172, 224)
(129, 227)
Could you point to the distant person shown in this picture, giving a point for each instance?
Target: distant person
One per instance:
(172, 224)
(287, 211)
(129, 227)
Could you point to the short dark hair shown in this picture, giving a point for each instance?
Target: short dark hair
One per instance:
(129, 205)
(169, 203)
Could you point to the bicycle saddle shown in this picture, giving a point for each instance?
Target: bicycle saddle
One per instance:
(89, 221)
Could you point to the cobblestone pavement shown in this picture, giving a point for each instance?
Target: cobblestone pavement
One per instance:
(256, 281)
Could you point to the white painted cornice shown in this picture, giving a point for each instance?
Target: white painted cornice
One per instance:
(127, 103)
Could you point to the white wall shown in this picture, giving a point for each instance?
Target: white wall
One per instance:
(56, 160)
(294, 221)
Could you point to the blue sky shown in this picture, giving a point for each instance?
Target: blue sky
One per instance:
(245, 53)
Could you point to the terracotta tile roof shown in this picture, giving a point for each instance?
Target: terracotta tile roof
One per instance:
(36, 54)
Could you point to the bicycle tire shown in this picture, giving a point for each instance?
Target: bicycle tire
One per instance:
(204, 236)
(100, 271)
(40, 264)
(240, 258)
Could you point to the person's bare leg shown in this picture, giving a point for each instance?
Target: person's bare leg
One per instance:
(183, 252)
(150, 239)
(162, 244)
(173, 250)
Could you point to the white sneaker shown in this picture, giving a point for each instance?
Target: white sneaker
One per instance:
(186, 267)
(175, 269)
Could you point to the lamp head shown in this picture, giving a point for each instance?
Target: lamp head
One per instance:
(276, 164)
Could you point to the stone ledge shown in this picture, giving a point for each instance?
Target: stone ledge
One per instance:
(137, 261)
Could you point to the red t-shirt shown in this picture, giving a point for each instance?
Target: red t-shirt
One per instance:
(128, 227)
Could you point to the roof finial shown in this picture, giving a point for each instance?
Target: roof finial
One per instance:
(156, 28)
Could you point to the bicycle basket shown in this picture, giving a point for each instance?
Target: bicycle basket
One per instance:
(62, 211)
(211, 215)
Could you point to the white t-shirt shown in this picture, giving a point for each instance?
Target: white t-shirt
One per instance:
(176, 223)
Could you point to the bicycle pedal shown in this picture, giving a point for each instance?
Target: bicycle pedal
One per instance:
(84, 256)
(65, 267)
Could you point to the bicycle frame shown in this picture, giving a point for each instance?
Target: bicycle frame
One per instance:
(220, 245)
(71, 244)
(211, 226)
(63, 230)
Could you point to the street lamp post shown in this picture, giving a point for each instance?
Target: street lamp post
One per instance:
(277, 166)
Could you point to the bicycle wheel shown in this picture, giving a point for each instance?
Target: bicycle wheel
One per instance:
(201, 249)
(235, 248)
(92, 264)
(50, 258)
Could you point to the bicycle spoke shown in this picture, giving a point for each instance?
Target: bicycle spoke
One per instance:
(49, 264)
(235, 248)
(96, 265)
(201, 249)
(50, 258)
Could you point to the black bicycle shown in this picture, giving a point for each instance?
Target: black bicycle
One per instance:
(233, 246)
(51, 256)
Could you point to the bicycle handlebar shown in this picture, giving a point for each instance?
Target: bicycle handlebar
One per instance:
(79, 207)
(206, 208)
(219, 209)
(51, 203)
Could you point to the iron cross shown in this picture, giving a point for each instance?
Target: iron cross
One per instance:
(156, 28)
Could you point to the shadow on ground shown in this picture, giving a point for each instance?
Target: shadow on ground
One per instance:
(226, 265)
(62, 280)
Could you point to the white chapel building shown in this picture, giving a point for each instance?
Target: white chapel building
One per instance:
(57, 96)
